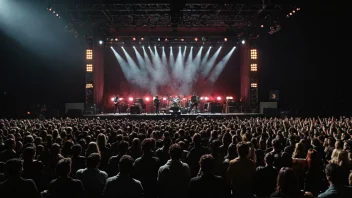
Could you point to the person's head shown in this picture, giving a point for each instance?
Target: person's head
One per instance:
(269, 159)
(242, 149)
(93, 160)
(175, 152)
(287, 183)
(167, 142)
(14, 167)
(339, 145)
(276, 144)
(28, 153)
(195, 93)
(313, 159)
(299, 150)
(123, 147)
(197, 139)
(63, 167)
(10, 144)
(343, 158)
(206, 163)
(156, 97)
(126, 164)
(101, 141)
(333, 174)
(147, 145)
(231, 152)
(76, 150)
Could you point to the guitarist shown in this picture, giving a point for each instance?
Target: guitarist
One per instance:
(116, 102)
(194, 102)
(156, 104)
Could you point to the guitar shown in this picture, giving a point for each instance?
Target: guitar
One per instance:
(116, 101)
(195, 100)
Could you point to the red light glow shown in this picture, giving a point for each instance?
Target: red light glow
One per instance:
(147, 99)
(130, 99)
(218, 98)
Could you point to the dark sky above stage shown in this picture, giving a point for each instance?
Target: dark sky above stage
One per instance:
(42, 63)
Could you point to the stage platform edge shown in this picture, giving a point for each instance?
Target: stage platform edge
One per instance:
(169, 116)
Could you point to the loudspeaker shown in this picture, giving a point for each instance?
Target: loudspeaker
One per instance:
(270, 112)
(135, 110)
(74, 113)
(215, 108)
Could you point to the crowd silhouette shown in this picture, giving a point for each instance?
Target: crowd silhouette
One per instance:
(176, 158)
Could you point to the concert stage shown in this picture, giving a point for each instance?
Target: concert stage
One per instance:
(169, 116)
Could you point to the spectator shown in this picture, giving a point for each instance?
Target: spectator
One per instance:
(123, 185)
(287, 184)
(92, 178)
(15, 185)
(146, 169)
(174, 176)
(207, 184)
(266, 177)
(333, 174)
(114, 160)
(65, 186)
(241, 172)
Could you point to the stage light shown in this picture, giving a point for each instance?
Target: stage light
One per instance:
(287, 16)
(89, 54)
(225, 39)
(182, 39)
(243, 41)
(158, 39)
(116, 39)
(100, 42)
(184, 99)
(130, 99)
(50, 9)
(89, 68)
(57, 15)
(201, 98)
(254, 67)
(147, 99)
(261, 26)
(293, 11)
(196, 39)
(218, 98)
(206, 98)
(254, 85)
(120, 99)
(254, 55)
(142, 39)
(164, 98)
(28, 113)
(148, 46)
(298, 9)
(54, 11)
(89, 85)
(229, 98)
(290, 13)
(122, 47)
(134, 38)
(165, 39)
(113, 99)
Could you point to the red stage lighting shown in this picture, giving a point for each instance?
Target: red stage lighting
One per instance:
(130, 99)
(112, 99)
(206, 98)
(142, 39)
(134, 38)
(120, 98)
(225, 39)
(196, 39)
(116, 39)
(164, 98)
(218, 98)
(201, 98)
(147, 99)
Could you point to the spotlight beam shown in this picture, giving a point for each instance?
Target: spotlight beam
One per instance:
(220, 66)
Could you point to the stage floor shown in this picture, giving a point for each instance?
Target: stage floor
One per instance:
(166, 116)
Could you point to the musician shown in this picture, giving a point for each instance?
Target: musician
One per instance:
(116, 102)
(194, 102)
(156, 104)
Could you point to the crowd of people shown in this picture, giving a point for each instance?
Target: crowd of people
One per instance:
(176, 158)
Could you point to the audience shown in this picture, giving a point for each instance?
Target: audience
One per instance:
(123, 185)
(176, 158)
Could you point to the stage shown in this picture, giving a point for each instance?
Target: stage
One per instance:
(169, 116)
